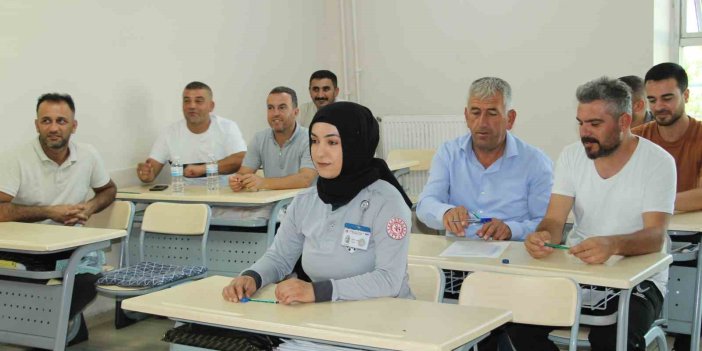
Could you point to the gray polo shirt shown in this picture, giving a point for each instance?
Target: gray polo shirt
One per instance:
(264, 151)
(339, 272)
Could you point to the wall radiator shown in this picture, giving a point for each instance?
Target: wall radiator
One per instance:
(418, 132)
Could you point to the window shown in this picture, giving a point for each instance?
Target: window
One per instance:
(691, 52)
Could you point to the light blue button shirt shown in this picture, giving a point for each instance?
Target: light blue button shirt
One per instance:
(515, 189)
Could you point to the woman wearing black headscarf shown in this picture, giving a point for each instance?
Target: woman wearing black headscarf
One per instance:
(352, 227)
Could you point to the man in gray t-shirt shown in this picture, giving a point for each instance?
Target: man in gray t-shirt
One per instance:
(281, 150)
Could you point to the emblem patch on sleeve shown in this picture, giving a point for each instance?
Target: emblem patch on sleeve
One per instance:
(396, 228)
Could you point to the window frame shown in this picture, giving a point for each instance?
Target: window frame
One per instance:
(690, 38)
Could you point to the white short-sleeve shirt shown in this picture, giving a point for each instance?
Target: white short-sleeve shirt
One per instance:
(33, 179)
(221, 139)
(614, 206)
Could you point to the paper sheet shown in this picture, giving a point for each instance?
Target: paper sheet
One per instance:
(475, 248)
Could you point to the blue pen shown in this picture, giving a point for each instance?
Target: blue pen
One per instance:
(247, 299)
(471, 220)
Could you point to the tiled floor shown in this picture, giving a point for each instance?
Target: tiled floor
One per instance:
(143, 336)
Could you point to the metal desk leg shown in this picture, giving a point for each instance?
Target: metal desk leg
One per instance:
(697, 312)
(273, 219)
(623, 319)
(68, 279)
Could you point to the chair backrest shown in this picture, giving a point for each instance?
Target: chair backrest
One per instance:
(118, 215)
(424, 156)
(426, 282)
(180, 219)
(534, 300)
(162, 220)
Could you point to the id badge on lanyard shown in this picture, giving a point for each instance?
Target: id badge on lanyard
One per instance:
(355, 237)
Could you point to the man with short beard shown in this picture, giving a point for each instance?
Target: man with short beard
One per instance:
(324, 90)
(675, 131)
(52, 180)
(621, 189)
(282, 151)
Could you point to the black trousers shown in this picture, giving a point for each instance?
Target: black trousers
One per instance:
(83, 292)
(645, 306)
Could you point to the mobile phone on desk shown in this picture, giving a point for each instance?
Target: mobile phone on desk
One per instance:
(158, 187)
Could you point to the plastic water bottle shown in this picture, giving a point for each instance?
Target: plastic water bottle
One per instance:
(177, 181)
(212, 172)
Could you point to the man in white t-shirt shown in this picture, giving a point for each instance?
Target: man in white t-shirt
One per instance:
(323, 91)
(195, 139)
(621, 189)
(52, 180)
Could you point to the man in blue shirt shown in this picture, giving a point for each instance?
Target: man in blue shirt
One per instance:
(487, 173)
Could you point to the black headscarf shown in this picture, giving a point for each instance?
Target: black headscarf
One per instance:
(359, 133)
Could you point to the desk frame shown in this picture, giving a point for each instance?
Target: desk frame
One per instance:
(59, 308)
(250, 244)
(465, 347)
(697, 305)
(362, 324)
(494, 265)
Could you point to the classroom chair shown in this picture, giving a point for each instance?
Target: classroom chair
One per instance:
(424, 156)
(119, 215)
(654, 334)
(537, 300)
(426, 282)
(684, 283)
(169, 254)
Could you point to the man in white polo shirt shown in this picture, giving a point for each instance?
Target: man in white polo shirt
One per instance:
(194, 139)
(52, 180)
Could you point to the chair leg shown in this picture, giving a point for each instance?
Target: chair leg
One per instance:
(656, 334)
(121, 318)
(73, 327)
(77, 330)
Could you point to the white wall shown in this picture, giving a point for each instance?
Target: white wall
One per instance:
(126, 63)
(419, 57)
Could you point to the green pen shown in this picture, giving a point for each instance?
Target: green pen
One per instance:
(556, 246)
(475, 214)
